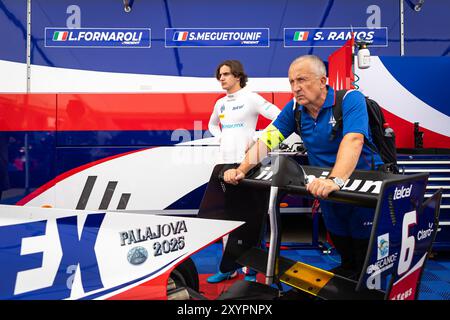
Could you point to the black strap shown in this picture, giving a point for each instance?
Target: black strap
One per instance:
(298, 118)
(337, 113)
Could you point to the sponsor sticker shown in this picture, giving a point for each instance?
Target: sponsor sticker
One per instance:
(98, 38)
(383, 246)
(334, 37)
(217, 37)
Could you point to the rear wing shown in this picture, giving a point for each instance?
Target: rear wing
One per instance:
(403, 227)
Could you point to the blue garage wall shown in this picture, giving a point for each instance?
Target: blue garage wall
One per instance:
(427, 32)
(13, 31)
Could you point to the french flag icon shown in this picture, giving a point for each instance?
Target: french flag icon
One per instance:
(180, 36)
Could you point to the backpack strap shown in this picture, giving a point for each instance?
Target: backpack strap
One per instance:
(337, 113)
(298, 118)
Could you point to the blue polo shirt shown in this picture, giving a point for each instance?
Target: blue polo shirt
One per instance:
(315, 133)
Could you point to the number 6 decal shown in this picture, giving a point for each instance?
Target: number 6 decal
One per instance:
(408, 243)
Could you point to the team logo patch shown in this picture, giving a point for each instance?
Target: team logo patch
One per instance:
(222, 110)
(332, 121)
(137, 255)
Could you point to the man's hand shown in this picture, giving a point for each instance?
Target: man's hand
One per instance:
(321, 188)
(233, 176)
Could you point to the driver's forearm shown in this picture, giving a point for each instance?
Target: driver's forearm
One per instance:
(255, 154)
(348, 155)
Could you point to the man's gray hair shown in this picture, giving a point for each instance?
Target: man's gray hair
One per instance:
(317, 64)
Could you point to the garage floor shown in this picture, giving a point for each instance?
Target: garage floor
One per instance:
(435, 280)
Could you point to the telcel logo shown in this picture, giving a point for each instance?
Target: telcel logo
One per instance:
(402, 193)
